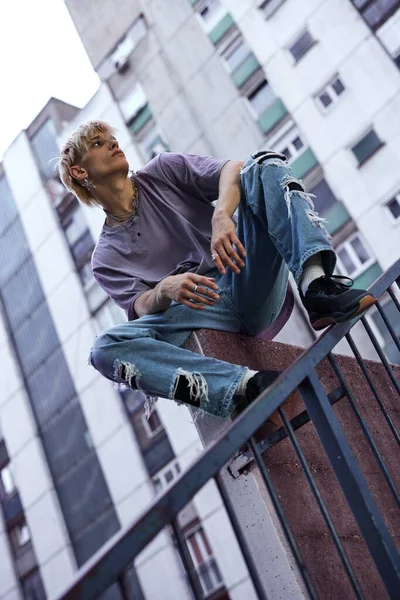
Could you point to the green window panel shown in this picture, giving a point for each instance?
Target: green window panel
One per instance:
(366, 147)
(272, 116)
(221, 29)
(143, 117)
(336, 217)
(303, 165)
(245, 70)
(368, 277)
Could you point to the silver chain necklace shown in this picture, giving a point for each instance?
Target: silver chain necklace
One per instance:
(134, 213)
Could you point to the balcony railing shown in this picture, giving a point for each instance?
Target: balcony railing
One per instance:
(110, 563)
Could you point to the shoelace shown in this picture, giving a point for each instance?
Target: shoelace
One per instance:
(335, 287)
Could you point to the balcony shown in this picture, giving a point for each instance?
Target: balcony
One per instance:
(327, 479)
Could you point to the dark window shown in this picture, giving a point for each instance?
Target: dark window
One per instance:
(269, 7)
(377, 12)
(32, 587)
(13, 251)
(366, 147)
(325, 99)
(397, 60)
(338, 86)
(36, 339)
(324, 197)
(19, 535)
(302, 45)
(22, 293)
(8, 210)
(394, 207)
(50, 387)
(70, 427)
(44, 143)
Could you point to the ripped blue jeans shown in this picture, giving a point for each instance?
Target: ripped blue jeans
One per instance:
(280, 230)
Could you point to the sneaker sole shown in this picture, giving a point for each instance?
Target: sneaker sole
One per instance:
(364, 304)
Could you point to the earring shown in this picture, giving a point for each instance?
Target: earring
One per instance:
(88, 185)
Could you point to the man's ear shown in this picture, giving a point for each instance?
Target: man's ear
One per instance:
(77, 172)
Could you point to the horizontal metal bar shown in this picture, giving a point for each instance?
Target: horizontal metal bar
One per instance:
(105, 566)
(353, 484)
(255, 578)
(321, 505)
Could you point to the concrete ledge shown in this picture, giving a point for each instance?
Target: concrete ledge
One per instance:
(300, 507)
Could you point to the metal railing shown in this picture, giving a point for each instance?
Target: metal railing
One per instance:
(109, 564)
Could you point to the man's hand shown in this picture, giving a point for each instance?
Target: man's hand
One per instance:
(195, 291)
(223, 243)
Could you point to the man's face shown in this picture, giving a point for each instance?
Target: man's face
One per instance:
(103, 157)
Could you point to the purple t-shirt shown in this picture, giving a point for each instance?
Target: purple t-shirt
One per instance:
(172, 234)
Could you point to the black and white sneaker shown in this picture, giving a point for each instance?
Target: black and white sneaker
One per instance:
(258, 384)
(329, 300)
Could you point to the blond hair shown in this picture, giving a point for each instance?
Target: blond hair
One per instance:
(72, 153)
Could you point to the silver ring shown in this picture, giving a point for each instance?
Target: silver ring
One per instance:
(195, 288)
(213, 257)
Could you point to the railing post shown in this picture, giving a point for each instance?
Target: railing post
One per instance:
(354, 486)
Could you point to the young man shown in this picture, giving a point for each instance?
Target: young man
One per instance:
(175, 264)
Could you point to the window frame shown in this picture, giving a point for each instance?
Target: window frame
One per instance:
(360, 267)
(393, 219)
(329, 89)
(238, 38)
(159, 482)
(283, 143)
(3, 491)
(359, 140)
(270, 13)
(255, 115)
(296, 40)
(151, 433)
(220, 14)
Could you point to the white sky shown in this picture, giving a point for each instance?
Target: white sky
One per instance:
(41, 56)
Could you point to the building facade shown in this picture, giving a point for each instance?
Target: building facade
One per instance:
(318, 81)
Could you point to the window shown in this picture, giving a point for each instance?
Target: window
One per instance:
(324, 197)
(204, 562)
(45, 146)
(366, 147)
(7, 485)
(152, 142)
(133, 102)
(211, 12)
(120, 55)
(236, 53)
(166, 476)
(329, 96)
(354, 256)
(261, 98)
(19, 535)
(269, 7)
(32, 587)
(302, 44)
(393, 207)
(152, 425)
(376, 12)
(291, 145)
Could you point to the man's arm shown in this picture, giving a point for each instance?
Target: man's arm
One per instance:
(223, 228)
